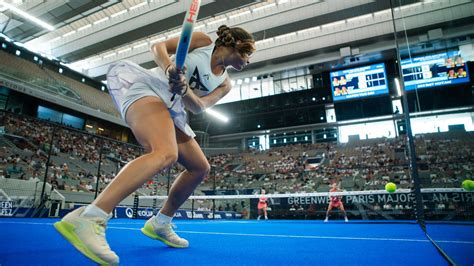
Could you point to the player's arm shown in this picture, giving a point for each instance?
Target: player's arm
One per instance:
(197, 104)
(162, 50)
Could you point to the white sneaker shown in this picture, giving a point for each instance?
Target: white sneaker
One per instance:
(87, 234)
(345, 219)
(326, 220)
(164, 233)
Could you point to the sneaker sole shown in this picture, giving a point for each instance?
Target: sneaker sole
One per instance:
(67, 231)
(154, 236)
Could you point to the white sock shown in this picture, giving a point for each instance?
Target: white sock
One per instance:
(94, 211)
(160, 219)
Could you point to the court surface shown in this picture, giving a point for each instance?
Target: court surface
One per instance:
(35, 242)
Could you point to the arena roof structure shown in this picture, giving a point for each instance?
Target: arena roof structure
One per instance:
(89, 35)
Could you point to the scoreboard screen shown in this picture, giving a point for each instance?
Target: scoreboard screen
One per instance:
(359, 82)
(434, 70)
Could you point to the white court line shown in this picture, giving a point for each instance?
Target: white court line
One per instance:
(457, 242)
(137, 223)
(209, 222)
(2, 222)
(279, 236)
(307, 237)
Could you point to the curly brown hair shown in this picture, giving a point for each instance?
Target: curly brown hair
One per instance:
(236, 37)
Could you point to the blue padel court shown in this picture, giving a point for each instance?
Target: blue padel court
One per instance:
(35, 242)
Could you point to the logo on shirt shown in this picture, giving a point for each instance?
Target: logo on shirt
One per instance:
(195, 81)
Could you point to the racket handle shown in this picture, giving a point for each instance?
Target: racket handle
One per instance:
(179, 66)
(174, 96)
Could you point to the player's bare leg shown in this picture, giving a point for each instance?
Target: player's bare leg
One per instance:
(327, 213)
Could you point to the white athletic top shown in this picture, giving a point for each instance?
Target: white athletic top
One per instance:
(123, 74)
(199, 72)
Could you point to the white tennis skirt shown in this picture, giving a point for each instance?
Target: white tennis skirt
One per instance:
(128, 82)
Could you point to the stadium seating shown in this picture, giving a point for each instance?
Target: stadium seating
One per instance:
(358, 165)
(56, 84)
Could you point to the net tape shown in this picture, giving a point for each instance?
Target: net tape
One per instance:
(314, 194)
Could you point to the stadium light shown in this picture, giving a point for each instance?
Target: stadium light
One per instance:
(263, 7)
(137, 6)
(100, 20)
(217, 115)
(119, 13)
(26, 15)
(240, 14)
(397, 85)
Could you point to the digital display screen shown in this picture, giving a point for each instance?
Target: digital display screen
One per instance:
(58, 117)
(434, 70)
(359, 82)
(49, 114)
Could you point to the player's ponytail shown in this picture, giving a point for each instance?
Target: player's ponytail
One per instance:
(225, 37)
(235, 37)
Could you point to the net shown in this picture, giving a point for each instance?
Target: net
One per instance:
(369, 205)
(19, 198)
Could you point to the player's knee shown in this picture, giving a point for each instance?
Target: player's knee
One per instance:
(170, 158)
(166, 157)
(205, 169)
(201, 171)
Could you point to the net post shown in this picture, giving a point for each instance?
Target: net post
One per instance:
(45, 179)
(192, 208)
(136, 201)
(101, 151)
(214, 189)
(169, 185)
(155, 189)
(213, 209)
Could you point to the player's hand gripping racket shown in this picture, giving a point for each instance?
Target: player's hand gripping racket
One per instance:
(186, 35)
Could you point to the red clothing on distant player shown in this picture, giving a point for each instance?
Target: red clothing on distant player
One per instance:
(262, 203)
(335, 200)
